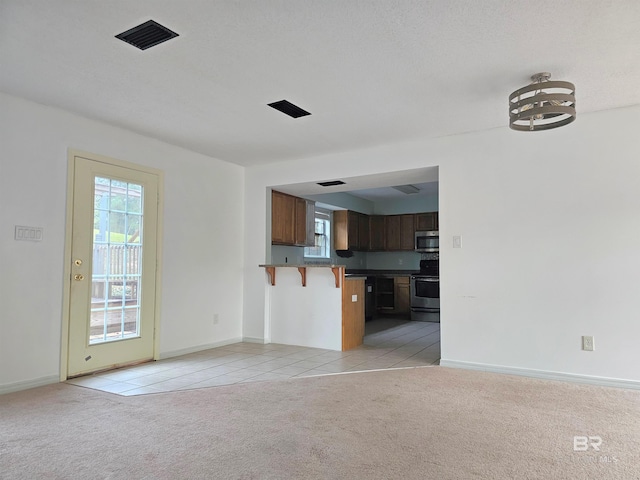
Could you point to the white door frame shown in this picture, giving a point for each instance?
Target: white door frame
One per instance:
(66, 294)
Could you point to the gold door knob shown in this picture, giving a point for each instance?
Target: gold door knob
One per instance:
(78, 277)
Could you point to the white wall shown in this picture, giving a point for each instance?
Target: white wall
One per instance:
(309, 316)
(550, 223)
(408, 204)
(203, 228)
(344, 200)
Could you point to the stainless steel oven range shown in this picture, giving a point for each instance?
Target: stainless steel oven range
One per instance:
(425, 292)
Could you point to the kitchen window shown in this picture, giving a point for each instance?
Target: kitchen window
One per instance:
(322, 243)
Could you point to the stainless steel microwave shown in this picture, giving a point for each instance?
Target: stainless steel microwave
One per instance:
(427, 241)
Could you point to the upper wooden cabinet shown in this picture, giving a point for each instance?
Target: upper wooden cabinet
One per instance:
(300, 222)
(392, 232)
(345, 230)
(341, 230)
(351, 230)
(400, 232)
(283, 218)
(407, 232)
(359, 232)
(364, 240)
(426, 221)
(291, 220)
(377, 233)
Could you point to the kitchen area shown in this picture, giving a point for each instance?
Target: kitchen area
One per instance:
(387, 237)
(401, 293)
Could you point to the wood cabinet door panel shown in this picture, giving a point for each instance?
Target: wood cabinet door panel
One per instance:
(426, 221)
(352, 313)
(377, 233)
(352, 230)
(393, 232)
(407, 232)
(300, 224)
(282, 218)
(363, 232)
(340, 230)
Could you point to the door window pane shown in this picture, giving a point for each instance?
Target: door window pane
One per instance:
(117, 261)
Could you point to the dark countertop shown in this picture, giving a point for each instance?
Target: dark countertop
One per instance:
(368, 272)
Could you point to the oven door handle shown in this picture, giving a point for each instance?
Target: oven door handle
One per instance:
(431, 280)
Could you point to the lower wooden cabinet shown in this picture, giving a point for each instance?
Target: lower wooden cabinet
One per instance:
(392, 295)
(353, 299)
(402, 304)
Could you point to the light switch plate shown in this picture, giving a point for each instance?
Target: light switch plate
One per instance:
(32, 234)
(457, 241)
(354, 298)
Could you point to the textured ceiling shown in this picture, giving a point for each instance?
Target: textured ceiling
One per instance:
(370, 72)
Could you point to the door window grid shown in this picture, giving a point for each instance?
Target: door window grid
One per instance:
(117, 261)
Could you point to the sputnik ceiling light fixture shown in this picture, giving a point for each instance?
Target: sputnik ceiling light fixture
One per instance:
(542, 105)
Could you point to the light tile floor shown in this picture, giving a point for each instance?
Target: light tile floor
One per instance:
(392, 344)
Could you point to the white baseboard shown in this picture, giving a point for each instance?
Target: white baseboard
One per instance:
(253, 340)
(198, 348)
(25, 385)
(545, 374)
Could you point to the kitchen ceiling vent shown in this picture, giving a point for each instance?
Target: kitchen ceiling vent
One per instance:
(407, 189)
(332, 183)
(147, 35)
(289, 108)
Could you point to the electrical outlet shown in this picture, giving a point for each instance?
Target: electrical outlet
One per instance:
(216, 319)
(399, 261)
(587, 344)
(354, 298)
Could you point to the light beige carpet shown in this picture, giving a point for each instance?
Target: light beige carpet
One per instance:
(423, 423)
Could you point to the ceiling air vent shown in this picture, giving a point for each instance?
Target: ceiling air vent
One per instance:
(289, 108)
(407, 189)
(147, 35)
(331, 183)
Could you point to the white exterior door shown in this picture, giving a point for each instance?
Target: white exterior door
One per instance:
(113, 272)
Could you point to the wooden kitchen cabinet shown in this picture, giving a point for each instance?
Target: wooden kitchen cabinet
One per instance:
(393, 295)
(352, 313)
(364, 242)
(400, 232)
(341, 231)
(290, 220)
(392, 232)
(377, 233)
(283, 218)
(351, 230)
(426, 221)
(407, 232)
(300, 223)
(402, 300)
